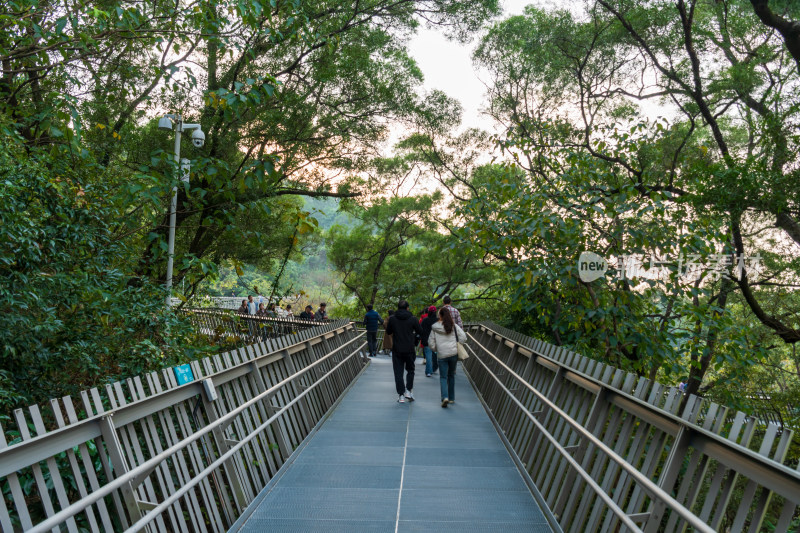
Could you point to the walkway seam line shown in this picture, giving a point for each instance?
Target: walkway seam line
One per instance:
(403, 469)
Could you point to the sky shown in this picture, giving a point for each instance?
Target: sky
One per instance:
(447, 66)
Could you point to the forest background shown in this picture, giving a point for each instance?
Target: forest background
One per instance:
(328, 173)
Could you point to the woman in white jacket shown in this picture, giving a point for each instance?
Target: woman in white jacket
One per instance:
(444, 339)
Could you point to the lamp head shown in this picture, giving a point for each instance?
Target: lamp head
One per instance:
(165, 123)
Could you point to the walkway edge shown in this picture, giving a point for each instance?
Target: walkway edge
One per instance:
(245, 516)
(548, 514)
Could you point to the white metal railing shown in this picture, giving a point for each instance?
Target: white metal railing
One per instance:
(190, 457)
(607, 449)
(227, 323)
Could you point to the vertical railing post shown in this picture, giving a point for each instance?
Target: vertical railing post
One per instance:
(302, 404)
(544, 417)
(221, 442)
(269, 410)
(668, 476)
(120, 465)
(596, 414)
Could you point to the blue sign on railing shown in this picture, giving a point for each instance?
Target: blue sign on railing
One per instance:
(183, 374)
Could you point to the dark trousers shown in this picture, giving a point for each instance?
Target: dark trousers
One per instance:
(372, 342)
(399, 361)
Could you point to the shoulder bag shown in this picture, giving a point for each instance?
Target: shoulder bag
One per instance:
(462, 352)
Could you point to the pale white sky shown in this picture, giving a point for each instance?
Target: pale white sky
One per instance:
(447, 66)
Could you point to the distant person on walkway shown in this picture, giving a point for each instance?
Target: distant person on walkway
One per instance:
(387, 339)
(307, 314)
(407, 332)
(431, 360)
(243, 308)
(371, 322)
(453, 311)
(271, 311)
(444, 339)
(252, 309)
(422, 316)
(263, 311)
(288, 312)
(321, 315)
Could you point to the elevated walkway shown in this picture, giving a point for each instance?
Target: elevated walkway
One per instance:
(300, 433)
(376, 465)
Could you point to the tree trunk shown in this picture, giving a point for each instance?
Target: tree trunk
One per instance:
(696, 374)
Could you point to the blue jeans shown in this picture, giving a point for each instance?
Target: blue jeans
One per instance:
(431, 361)
(447, 376)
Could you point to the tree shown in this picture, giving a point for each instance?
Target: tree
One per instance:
(303, 109)
(363, 254)
(744, 104)
(564, 90)
(70, 320)
(291, 95)
(788, 28)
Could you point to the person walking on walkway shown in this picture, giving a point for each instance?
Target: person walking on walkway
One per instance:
(321, 315)
(371, 321)
(445, 337)
(422, 315)
(308, 314)
(431, 361)
(407, 332)
(453, 311)
(387, 339)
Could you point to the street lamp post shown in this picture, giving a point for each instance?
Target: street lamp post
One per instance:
(175, 122)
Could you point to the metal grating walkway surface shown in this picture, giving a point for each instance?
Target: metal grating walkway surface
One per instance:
(379, 466)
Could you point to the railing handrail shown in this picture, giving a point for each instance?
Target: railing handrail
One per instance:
(654, 490)
(43, 446)
(235, 312)
(161, 507)
(754, 463)
(151, 464)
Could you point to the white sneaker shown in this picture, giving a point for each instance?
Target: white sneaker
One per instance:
(401, 399)
(409, 396)
(444, 403)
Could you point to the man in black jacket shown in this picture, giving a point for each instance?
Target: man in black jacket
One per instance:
(406, 332)
(308, 314)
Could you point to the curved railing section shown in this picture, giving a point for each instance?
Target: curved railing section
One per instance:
(222, 324)
(154, 453)
(609, 451)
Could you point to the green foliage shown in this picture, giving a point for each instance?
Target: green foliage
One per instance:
(286, 91)
(72, 314)
(368, 254)
(289, 93)
(591, 175)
